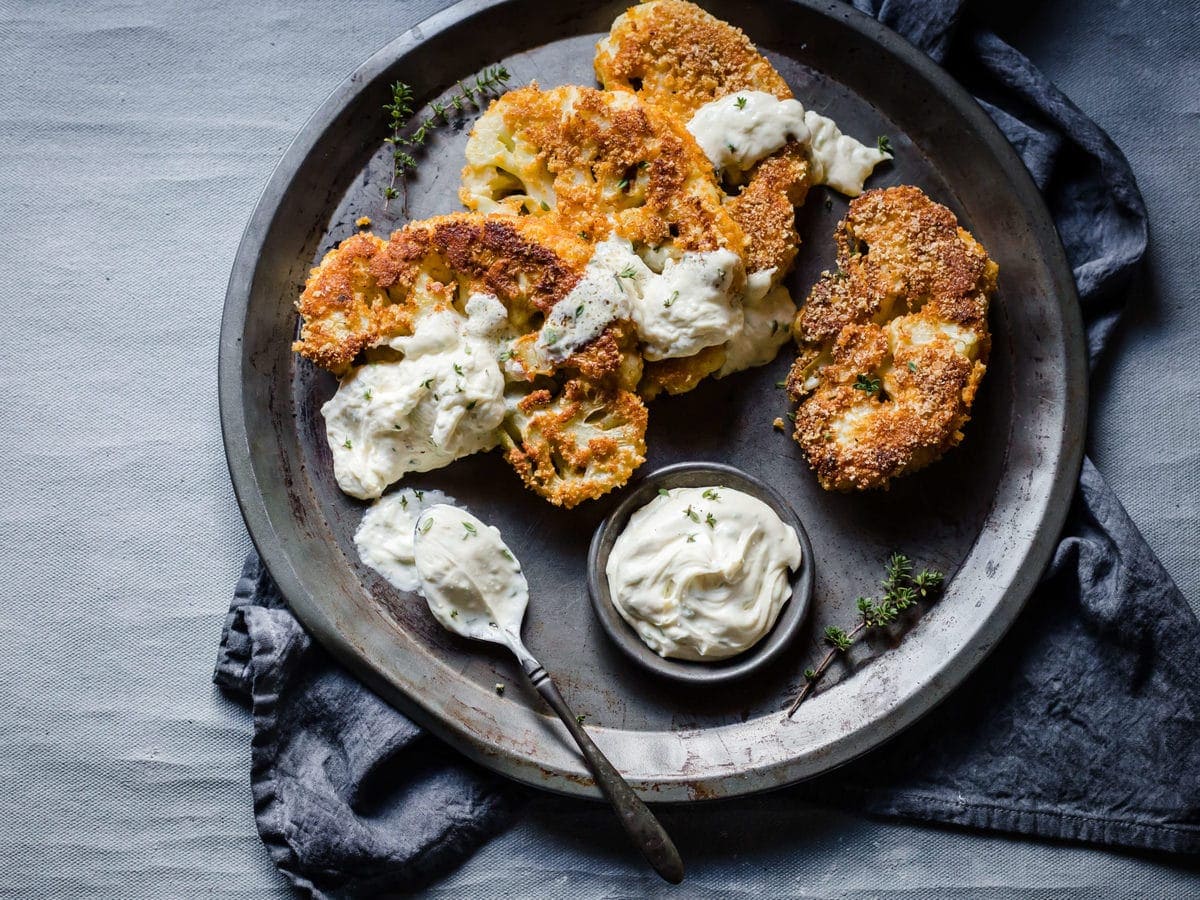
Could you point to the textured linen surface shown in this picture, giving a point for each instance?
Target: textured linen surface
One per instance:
(1083, 726)
(137, 136)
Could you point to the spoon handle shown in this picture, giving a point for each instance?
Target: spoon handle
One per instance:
(637, 820)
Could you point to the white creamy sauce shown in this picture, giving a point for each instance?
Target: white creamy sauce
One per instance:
(702, 573)
(738, 130)
(442, 401)
(613, 277)
(471, 580)
(384, 538)
(767, 326)
(837, 159)
(694, 303)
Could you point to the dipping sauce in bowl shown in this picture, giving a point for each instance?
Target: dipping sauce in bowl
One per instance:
(701, 573)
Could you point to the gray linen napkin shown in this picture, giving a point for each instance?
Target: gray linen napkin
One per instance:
(1084, 725)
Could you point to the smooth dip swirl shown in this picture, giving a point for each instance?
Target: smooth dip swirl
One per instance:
(702, 573)
(472, 582)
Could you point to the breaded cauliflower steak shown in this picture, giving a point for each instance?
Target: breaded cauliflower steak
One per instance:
(368, 290)
(678, 57)
(599, 162)
(568, 444)
(577, 444)
(894, 344)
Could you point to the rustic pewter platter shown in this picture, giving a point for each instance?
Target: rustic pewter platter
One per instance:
(988, 514)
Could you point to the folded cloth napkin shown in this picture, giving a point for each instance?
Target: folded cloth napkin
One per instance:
(1084, 725)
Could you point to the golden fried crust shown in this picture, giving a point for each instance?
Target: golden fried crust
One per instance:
(679, 57)
(765, 209)
(894, 344)
(577, 445)
(343, 307)
(678, 376)
(596, 161)
(367, 290)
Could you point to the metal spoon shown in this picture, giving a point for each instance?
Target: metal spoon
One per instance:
(474, 587)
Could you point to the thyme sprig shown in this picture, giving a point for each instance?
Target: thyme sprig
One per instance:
(404, 143)
(902, 590)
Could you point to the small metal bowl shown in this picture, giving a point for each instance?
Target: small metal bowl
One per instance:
(769, 647)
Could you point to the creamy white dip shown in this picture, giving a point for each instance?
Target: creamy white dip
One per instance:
(443, 400)
(384, 538)
(738, 130)
(692, 301)
(702, 573)
(767, 315)
(471, 580)
(612, 279)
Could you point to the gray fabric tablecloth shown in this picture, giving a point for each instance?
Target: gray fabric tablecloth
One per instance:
(136, 138)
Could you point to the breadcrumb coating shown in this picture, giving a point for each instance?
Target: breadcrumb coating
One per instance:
(893, 344)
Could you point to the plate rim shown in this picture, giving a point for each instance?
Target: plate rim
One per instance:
(1038, 551)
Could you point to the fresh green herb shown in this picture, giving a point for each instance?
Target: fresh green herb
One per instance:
(732, 149)
(471, 530)
(583, 235)
(644, 165)
(507, 555)
(781, 384)
(404, 143)
(867, 383)
(428, 524)
(427, 383)
(458, 370)
(545, 206)
(420, 495)
(454, 613)
(710, 520)
(627, 272)
(692, 538)
(579, 310)
(499, 689)
(912, 366)
(710, 494)
(346, 443)
(663, 492)
(884, 145)
(579, 718)
(551, 336)
(623, 184)
(692, 514)
(740, 102)
(670, 300)
(902, 590)
(403, 502)
(367, 396)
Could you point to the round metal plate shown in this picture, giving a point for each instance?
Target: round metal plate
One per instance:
(988, 514)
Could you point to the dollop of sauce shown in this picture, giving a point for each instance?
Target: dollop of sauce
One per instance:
(443, 400)
(471, 580)
(702, 573)
(695, 302)
(738, 130)
(384, 538)
(680, 304)
(767, 315)
(609, 283)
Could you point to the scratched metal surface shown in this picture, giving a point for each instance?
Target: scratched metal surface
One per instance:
(987, 514)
